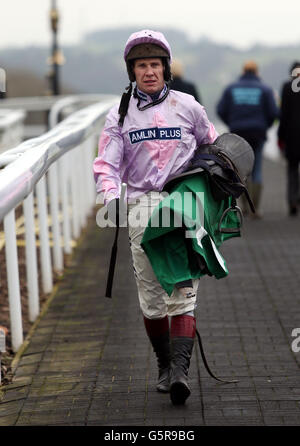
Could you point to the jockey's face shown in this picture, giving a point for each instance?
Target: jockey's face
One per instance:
(149, 75)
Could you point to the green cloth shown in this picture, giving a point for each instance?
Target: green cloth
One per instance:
(173, 246)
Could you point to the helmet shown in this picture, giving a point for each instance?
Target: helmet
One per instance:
(294, 66)
(146, 44)
(140, 45)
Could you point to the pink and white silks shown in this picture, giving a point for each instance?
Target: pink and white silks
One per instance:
(153, 145)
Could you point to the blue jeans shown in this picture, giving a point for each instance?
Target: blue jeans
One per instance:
(258, 161)
(256, 139)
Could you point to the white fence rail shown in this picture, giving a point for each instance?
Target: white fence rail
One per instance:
(44, 105)
(55, 171)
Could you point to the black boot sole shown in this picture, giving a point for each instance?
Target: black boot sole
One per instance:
(179, 392)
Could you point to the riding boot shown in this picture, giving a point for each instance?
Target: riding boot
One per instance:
(158, 333)
(183, 330)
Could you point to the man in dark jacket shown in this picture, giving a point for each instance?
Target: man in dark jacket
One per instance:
(248, 108)
(179, 84)
(289, 135)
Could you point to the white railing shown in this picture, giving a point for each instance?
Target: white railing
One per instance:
(40, 105)
(54, 169)
(67, 105)
(55, 106)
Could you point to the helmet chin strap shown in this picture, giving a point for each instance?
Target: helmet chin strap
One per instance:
(124, 104)
(151, 104)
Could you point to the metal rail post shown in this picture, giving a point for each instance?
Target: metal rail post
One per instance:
(55, 225)
(63, 173)
(31, 259)
(75, 194)
(44, 236)
(13, 280)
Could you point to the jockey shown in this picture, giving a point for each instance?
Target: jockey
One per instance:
(146, 141)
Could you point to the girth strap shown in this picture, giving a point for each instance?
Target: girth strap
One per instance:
(233, 185)
(206, 364)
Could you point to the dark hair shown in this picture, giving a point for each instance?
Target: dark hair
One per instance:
(294, 65)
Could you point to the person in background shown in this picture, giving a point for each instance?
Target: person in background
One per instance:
(289, 135)
(148, 139)
(179, 83)
(248, 108)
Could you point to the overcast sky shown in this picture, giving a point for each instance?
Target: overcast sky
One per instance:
(239, 22)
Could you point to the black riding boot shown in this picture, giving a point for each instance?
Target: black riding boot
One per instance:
(158, 333)
(183, 329)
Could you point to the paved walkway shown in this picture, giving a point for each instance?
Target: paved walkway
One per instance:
(89, 362)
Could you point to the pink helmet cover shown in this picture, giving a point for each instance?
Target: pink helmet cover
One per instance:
(147, 36)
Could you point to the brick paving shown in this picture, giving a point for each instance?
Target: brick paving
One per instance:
(89, 362)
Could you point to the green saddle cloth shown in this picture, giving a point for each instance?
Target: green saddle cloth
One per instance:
(184, 228)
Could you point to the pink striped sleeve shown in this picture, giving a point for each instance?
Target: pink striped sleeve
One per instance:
(212, 133)
(107, 165)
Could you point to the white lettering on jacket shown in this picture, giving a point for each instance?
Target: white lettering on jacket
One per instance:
(155, 133)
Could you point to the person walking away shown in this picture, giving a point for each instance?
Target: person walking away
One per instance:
(248, 108)
(289, 135)
(178, 83)
(149, 138)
